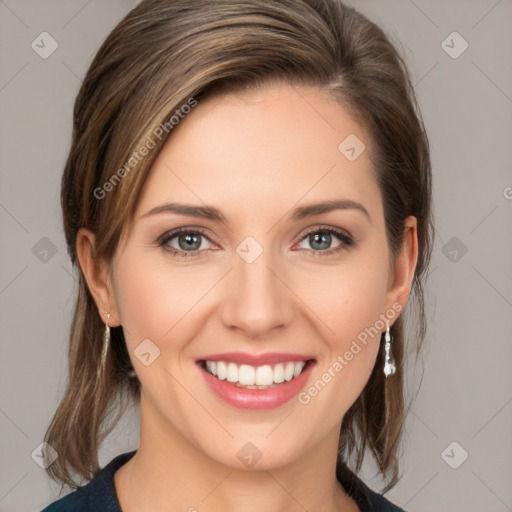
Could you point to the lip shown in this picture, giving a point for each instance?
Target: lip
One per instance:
(256, 359)
(256, 399)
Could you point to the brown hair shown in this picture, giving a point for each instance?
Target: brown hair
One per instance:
(162, 54)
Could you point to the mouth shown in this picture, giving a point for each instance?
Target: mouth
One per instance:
(256, 382)
(255, 377)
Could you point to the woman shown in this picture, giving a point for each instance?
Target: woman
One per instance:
(247, 202)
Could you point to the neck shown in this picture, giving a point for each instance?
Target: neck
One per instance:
(170, 471)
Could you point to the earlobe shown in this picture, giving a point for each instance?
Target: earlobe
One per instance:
(96, 273)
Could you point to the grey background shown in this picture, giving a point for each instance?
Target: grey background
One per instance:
(466, 386)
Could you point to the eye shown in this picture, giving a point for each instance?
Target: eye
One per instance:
(320, 240)
(189, 242)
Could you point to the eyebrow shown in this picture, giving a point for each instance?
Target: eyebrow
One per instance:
(212, 213)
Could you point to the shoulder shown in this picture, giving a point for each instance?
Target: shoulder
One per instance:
(367, 500)
(98, 494)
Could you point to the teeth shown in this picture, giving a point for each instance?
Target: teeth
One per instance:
(278, 376)
(232, 373)
(255, 377)
(264, 375)
(297, 371)
(246, 375)
(289, 371)
(221, 370)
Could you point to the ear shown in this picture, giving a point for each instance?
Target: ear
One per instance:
(404, 266)
(97, 274)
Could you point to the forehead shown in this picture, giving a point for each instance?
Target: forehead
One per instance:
(265, 149)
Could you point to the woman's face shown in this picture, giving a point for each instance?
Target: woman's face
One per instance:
(274, 287)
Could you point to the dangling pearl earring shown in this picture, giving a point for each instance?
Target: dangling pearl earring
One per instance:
(389, 364)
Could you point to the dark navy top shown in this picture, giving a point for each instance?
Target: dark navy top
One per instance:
(99, 495)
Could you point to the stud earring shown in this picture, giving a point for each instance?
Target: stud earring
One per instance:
(389, 364)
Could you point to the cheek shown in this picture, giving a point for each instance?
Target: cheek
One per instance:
(347, 301)
(351, 341)
(146, 305)
(347, 298)
(157, 302)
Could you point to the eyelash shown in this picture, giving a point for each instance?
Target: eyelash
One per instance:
(345, 238)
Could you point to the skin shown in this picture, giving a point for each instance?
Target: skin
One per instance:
(255, 156)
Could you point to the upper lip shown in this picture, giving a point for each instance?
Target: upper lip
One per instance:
(256, 359)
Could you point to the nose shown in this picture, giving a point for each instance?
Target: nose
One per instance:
(256, 299)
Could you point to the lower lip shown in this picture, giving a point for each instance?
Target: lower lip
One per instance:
(257, 399)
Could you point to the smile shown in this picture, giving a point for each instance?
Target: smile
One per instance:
(255, 377)
(255, 382)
